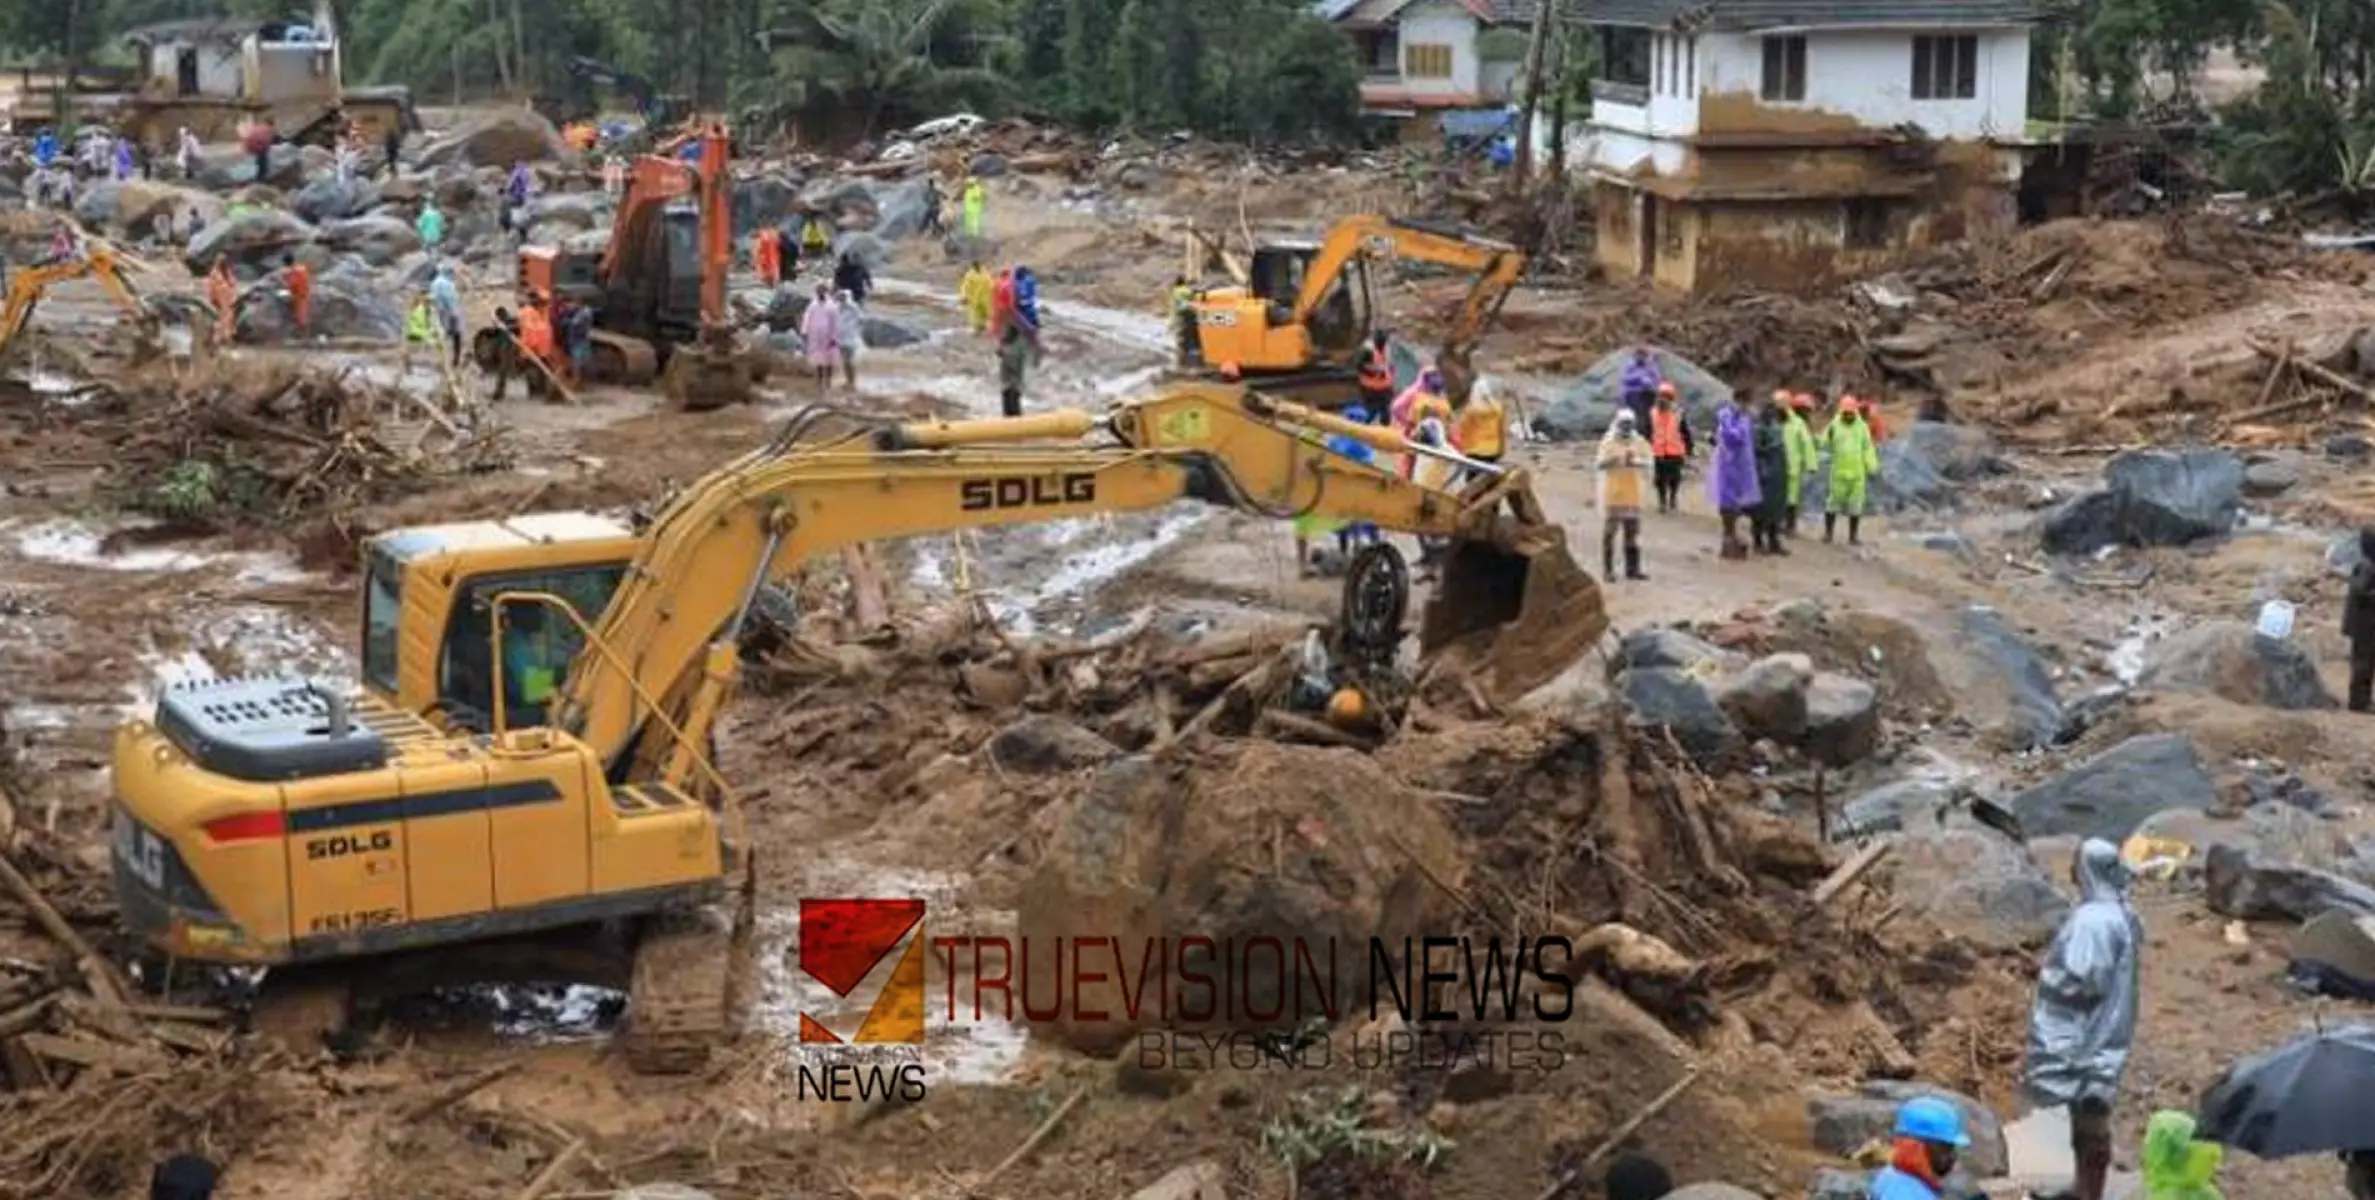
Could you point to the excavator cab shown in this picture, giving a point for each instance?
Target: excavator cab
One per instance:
(1255, 326)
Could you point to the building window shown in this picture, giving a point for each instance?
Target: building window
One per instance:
(1690, 66)
(1381, 52)
(1624, 55)
(1868, 220)
(1946, 67)
(1426, 61)
(1785, 69)
(1658, 73)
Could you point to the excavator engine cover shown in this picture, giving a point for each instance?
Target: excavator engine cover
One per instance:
(1517, 613)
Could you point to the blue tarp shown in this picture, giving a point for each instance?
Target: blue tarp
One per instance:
(1478, 124)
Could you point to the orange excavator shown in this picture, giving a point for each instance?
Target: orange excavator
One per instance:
(657, 289)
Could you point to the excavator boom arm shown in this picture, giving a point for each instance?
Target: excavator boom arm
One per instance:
(1496, 264)
(758, 519)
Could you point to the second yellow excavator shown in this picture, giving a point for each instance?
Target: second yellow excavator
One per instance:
(531, 753)
(1297, 319)
(28, 284)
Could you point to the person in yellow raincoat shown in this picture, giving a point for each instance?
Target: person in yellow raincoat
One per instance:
(2176, 1167)
(973, 293)
(1798, 440)
(1623, 463)
(420, 327)
(1855, 462)
(970, 203)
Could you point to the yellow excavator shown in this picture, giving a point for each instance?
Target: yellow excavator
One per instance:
(1297, 318)
(27, 285)
(531, 755)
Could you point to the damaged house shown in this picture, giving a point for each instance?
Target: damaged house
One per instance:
(1776, 142)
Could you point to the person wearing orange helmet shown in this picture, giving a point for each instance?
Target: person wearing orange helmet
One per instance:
(1670, 443)
(1855, 462)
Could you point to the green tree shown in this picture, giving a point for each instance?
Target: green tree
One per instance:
(882, 60)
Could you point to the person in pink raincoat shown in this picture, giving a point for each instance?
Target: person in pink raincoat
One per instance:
(820, 336)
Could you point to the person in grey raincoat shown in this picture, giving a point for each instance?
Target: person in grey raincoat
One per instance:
(2084, 1017)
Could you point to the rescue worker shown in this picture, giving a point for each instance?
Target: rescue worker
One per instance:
(392, 145)
(123, 159)
(299, 279)
(529, 673)
(820, 337)
(933, 225)
(1026, 307)
(1431, 426)
(2174, 1164)
(509, 360)
(45, 149)
(1642, 379)
(1927, 1136)
(446, 300)
(430, 225)
(577, 333)
(1803, 460)
(2358, 623)
(1670, 441)
(972, 202)
(1353, 533)
(1183, 320)
(1766, 520)
(766, 254)
(536, 337)
(187, 153)
(420, 327)
(815, 243)
(614, 175)
(2084, 1017)
(1622, 460)
(853, 331)
(1014, 360)
(1423, 400)
(1480, 424)
(1732, 484)
(257, 141)
(1376, 379)
(1001, 302)
(851, 276)
(222, 291)
(1855, 462)
(973, 294)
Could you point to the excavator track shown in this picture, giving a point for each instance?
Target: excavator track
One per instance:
(680, 1004)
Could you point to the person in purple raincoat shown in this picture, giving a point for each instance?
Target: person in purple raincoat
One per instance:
(1639, 383)
(1734, 479)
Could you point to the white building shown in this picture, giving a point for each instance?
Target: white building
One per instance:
(1772, 141)
(1421, 56)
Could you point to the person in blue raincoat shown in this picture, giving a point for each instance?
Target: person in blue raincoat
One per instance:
(45, 149)
(2084, 1019)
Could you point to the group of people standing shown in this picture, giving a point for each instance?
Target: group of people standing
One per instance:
(1006, 307)
(1762, 462)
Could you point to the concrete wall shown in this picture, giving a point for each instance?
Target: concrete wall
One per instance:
(1436, 24)
(1867, 77)
(287, 71)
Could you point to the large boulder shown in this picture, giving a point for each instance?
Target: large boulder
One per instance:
(1583, 410)
(1922, 467)
(2109, 795)
(2252, 884)
(95, 204)
(2009, 688)
(379, 240)
(1681, 703)
(762, 201)
(1905, 805)
(222, 171)
(2230, 659)
(570, 210)
(2152, 498)
(2344, 554)
(349, 302)
(254, 237)
(1768, 698)
(495, 139)
(1978, 883)
(330, 200)
(901, 209)
(1842, 720)
(869, 249)
(889, 333)
(1153, 850)
(1664, 646)
(1845, 1124)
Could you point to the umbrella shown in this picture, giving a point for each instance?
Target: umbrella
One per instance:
(2307, 1096)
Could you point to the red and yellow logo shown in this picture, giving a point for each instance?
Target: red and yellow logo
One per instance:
(843, 942)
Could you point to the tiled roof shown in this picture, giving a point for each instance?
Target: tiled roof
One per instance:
(1750, 15)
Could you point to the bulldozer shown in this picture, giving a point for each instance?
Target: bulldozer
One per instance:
(530, 754)
(657, 289)
(1296, 314)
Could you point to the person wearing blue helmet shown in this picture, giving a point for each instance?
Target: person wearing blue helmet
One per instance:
(1929, 1133)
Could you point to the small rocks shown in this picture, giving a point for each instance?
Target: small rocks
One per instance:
(885, 333)
(1583, 411)
(2249, 884)
(1043, 742)
(2109, 795)
(2273, 477)
(988, 165)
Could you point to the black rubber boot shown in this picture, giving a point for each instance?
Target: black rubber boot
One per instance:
(1633, 563)
(1608, 557)
(1855, 531)
(1830, 525)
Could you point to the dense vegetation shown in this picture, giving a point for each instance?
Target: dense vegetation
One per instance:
(1251, 69)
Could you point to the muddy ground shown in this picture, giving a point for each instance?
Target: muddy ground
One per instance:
(98, 609)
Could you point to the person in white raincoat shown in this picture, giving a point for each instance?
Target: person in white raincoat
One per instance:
(2084, 1018)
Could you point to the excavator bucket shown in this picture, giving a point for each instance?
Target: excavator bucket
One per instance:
(700, 378)
(1515, 611)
